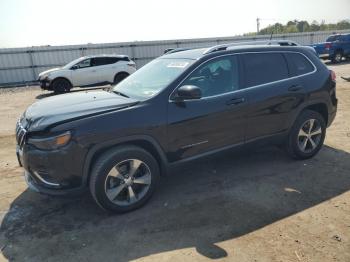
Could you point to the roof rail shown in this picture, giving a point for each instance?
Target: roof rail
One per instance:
(216, 48)
(175, 50)
(265, 42)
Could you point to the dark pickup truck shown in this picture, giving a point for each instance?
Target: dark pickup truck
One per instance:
(335, 48)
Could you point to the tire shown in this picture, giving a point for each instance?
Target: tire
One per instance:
(61, 85)
(110, 187)
(119, 77)
(299, 145)
(337, 58)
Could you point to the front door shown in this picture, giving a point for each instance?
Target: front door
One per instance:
(85, 74)
(216, 120)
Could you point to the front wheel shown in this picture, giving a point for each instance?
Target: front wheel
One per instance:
(61, 85)
(124, 178)
(307, 135)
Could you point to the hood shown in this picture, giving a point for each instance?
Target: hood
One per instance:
(49, 71)
(69, 107)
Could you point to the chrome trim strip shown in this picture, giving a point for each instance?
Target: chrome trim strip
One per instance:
(262, 52)
(20, 134)
(36, 174)
(194, 144)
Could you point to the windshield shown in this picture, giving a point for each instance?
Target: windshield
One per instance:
(70, 64)
(152, 78)
(333, 38)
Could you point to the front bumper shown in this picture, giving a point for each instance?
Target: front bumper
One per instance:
(56, 172)
(34, 185)
(332, 115)
(45, 83)
(324, 56)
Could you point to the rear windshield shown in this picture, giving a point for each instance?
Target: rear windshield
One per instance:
(333, 38)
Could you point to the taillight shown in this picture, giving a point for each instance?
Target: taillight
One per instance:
(132, 65)
(328, 45)
(333, 76)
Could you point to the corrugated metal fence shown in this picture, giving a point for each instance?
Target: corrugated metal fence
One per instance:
(22, 65)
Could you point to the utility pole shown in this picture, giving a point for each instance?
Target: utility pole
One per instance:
(257, 25)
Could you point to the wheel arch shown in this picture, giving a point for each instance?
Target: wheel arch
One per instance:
(320, 107)
(339, 49)
(145, 142)
(120, 73)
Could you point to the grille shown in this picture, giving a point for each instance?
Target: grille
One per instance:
(20, 134)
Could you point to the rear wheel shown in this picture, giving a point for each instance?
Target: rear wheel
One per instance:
(338, 56)
(123, 179)
(61, 85)
(307, 135)
(119, 77)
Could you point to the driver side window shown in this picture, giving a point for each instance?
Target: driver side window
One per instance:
(84, 63)
(218, 76)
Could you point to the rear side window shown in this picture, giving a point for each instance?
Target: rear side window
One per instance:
(298, 64)
(333, 38)
(98, 61)
(264, 68)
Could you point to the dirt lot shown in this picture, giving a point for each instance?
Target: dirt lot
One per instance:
(251, 206)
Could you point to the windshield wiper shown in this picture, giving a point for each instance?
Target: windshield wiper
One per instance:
(121, 94)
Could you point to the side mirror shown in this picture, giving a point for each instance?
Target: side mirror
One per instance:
(75, 67)
(188, 92)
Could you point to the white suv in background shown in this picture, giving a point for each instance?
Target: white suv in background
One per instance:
(87, 71)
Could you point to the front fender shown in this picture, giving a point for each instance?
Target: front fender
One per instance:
(101, 147)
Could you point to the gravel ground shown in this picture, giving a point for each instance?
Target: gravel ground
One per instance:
(249, 206)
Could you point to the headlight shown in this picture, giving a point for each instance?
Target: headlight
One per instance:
(50, 143)
(42, 77)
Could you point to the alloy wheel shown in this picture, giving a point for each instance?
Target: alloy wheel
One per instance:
(338, 57)
(128, 182)
(309, 136)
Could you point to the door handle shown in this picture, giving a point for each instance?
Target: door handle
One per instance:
(235, 101)
(295, 88)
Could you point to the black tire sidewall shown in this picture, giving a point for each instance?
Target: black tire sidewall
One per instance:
(106, 163)
(119, 77)
(66, 86)
(292, 145)
(335, 55)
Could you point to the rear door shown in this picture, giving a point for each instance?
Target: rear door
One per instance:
(105, 67)
(214, 121)
(273, 93)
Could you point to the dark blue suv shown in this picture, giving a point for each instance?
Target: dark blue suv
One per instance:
(179, 107)
(335, 48)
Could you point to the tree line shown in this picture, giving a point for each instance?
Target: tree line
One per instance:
(297, 26)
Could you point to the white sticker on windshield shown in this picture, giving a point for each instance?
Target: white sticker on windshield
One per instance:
(178, 64)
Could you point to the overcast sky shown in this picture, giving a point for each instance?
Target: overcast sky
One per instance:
(58, 22)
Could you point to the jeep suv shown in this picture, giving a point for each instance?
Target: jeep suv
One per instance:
(181, 106)
(87, 71)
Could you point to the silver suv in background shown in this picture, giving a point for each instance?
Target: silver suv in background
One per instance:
(87, 71)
